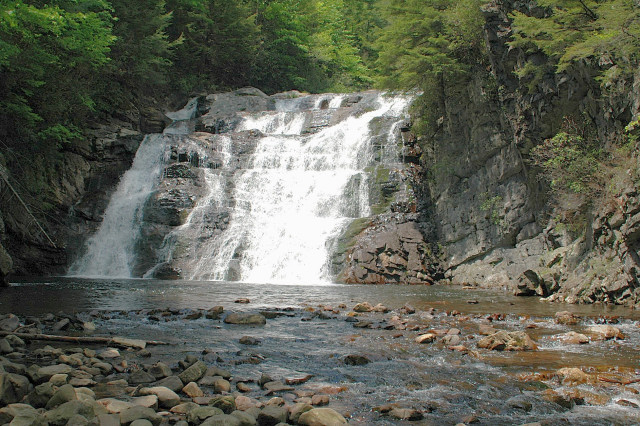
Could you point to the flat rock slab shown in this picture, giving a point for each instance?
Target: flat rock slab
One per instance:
(245, 319)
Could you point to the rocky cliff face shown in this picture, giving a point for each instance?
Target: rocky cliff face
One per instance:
(79, 190)
(494, 222)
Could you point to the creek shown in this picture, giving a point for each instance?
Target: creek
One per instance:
(311, 330)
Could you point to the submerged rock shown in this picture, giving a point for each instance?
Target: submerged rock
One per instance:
(508, 341)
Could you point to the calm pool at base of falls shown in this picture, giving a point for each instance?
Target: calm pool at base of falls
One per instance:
(314, 332)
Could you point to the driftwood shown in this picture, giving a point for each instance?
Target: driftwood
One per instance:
(115, 341)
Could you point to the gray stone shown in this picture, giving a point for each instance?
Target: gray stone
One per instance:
(61, 415)
(45, 373)
(108, 420)
(40, 395)
(297, 410)
(193, 373)
(222, 420)
(137, 412)
(160, 370)
(140, 376)
(172, 382)
(64, 394)
(246, 419)
(9, 322)
(77, 420)
(271, 415)
(321, 417)
(13, 387)
(141, 422)
(5, 346)
(199, 414)
(226, 403)
(245, 319)
(166, 397)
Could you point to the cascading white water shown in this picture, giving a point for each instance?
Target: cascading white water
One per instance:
(111, 251)
(268, 199)
(297, 194)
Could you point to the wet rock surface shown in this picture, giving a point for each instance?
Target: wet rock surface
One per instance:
(329, 373)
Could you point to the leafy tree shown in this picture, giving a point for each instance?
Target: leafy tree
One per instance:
(568, 31)
(218, 46)
(142, 52)
(49, 55)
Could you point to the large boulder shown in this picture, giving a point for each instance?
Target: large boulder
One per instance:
(321, 417)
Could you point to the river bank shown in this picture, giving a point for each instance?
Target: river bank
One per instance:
(431, 355)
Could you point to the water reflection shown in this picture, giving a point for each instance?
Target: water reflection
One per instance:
(38, 296)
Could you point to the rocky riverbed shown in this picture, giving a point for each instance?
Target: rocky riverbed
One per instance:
(359, 362)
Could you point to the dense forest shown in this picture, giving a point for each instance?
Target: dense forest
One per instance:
(65, 62)
(66, 65)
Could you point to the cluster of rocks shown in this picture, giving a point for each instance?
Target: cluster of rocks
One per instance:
(109, 386)
(391, 250)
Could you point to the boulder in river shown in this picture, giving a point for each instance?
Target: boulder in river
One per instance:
(508, 341)
(245, 319)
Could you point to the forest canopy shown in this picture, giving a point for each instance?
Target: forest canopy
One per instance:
(65, 62)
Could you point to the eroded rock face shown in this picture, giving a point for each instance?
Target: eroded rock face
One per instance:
(391, 250)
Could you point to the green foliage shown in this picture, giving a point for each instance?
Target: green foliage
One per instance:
(569, 162)
(492, 205)
(607, 31)
(49, 55)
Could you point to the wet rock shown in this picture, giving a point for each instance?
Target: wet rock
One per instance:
(192, 390)
(44, 374)
(184, 408)
(63, 324)
(40, 395)
(160, 370)
(109, 353)
(199, 414)
(5, 347)
(172, 382)
(9, 322)
(572, 375)
(425, 338)
(250, 341)
(108, 420)
(226, 403)
(243, 300)
(214, 313)
(321, 417)
(356, 360)
(61, 415)
(380, 308)
(217, 371)
(221, 385)
(193, 373)
(508, 341)
(246, 419)
(556, 398)
(320, 400)
(410, 414)
(243, 403)
(13, 387)
(245, 319)
(264, 378)
(222, 420)
(137, 412)
(64, 394)
(363, 307)
(566, 318)
(486, 330)
(573, 338)
(276, 386)
(606, 332)
(297, 410)
(451, 340)
(114, 406)
(140, 377)
(166, 397)
(21, 414)
(271, 415)
(520, 403)
(298, 380)
(149, 401)
(139, 422)
(193, 316)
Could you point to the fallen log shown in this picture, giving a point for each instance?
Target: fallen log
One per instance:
(114, 341)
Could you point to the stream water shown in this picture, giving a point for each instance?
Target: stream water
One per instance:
(312, 330)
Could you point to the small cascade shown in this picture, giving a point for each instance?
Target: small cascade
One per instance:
(263, 202)
(111, 252)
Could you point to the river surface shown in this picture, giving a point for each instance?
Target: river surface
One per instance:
(314, 331)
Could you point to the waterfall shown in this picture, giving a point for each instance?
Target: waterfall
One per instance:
(271, 195)
(111, 251)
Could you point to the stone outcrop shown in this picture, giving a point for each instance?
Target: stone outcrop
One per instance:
(490, 208)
